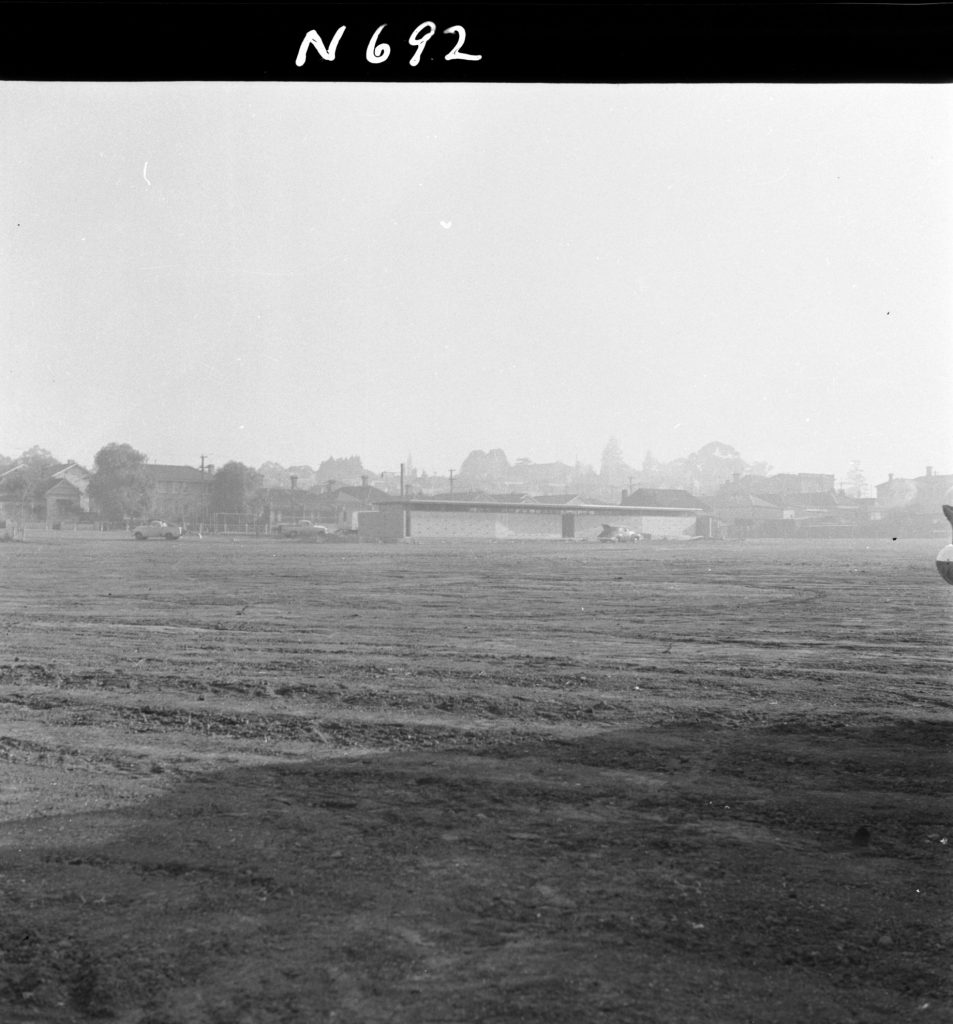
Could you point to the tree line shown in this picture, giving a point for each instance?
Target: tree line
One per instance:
(121, 488)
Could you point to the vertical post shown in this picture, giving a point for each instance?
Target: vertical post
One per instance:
(403, 510)
(451, 483)
(204, 512)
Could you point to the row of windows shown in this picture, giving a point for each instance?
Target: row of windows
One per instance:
(177, 487)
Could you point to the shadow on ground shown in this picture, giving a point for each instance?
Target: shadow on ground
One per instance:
(695, 872)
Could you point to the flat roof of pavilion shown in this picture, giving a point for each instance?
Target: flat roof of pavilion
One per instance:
(446, 505)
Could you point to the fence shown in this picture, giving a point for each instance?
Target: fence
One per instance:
(237, 522)
(10, 525)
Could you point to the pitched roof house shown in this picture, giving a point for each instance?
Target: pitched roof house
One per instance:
(180, 492)
(734, 508)
(562, 499)
(920, 494)
(63, 495)
(660, 497)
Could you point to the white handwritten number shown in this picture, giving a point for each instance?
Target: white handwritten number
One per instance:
(420, 41)
(455, 53)
(377, 53)
(313, 39)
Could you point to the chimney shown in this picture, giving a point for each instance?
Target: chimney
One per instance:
(929, 471)
(889, 477)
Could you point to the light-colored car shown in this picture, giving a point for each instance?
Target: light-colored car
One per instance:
(157, 528)
(302, 528)
(619, 534)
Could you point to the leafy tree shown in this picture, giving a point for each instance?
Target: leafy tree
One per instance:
(307, 477)
(856, 483)
(234, 488)
(613, 470)
(28, 480)
(39, 457)
(584, 479)
(704, 471)
(485, 469)
(651, 470)
(120, 485)
(348, 470)
(273, 474)
(713, 465)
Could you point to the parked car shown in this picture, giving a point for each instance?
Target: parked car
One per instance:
(157, 528)
(619, 534)
(303, 528)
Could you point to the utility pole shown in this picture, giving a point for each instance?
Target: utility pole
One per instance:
(206, 512)
(451, 483)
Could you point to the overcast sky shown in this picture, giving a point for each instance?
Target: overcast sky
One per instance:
(265, 271)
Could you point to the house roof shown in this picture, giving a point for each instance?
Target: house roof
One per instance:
(23, 465)
(79, 478)
(68, 466)
(560, 499)
(63, 489)
(744, 501)
(174, 474)
(8, 477)
(457, 504)
(283, 499)
(673, 497)
(467, 496)
(817, 499)
(368, 493)
(510, 496)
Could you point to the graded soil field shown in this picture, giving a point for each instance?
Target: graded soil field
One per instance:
(266, 782)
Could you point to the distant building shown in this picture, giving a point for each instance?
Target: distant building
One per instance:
(822, 503)
(784, 483)
(62, 497)
(661, 497)
(180, 493)
(346, 502)
(289, 505)
(67, 499)
(473, 496)
(920, 494)
(516, 517)
(564, 499)
(333, 508)
(748, 515)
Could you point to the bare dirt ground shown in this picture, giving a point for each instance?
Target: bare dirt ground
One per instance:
(267, 782)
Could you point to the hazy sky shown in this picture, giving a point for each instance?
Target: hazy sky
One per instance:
(265, 271)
